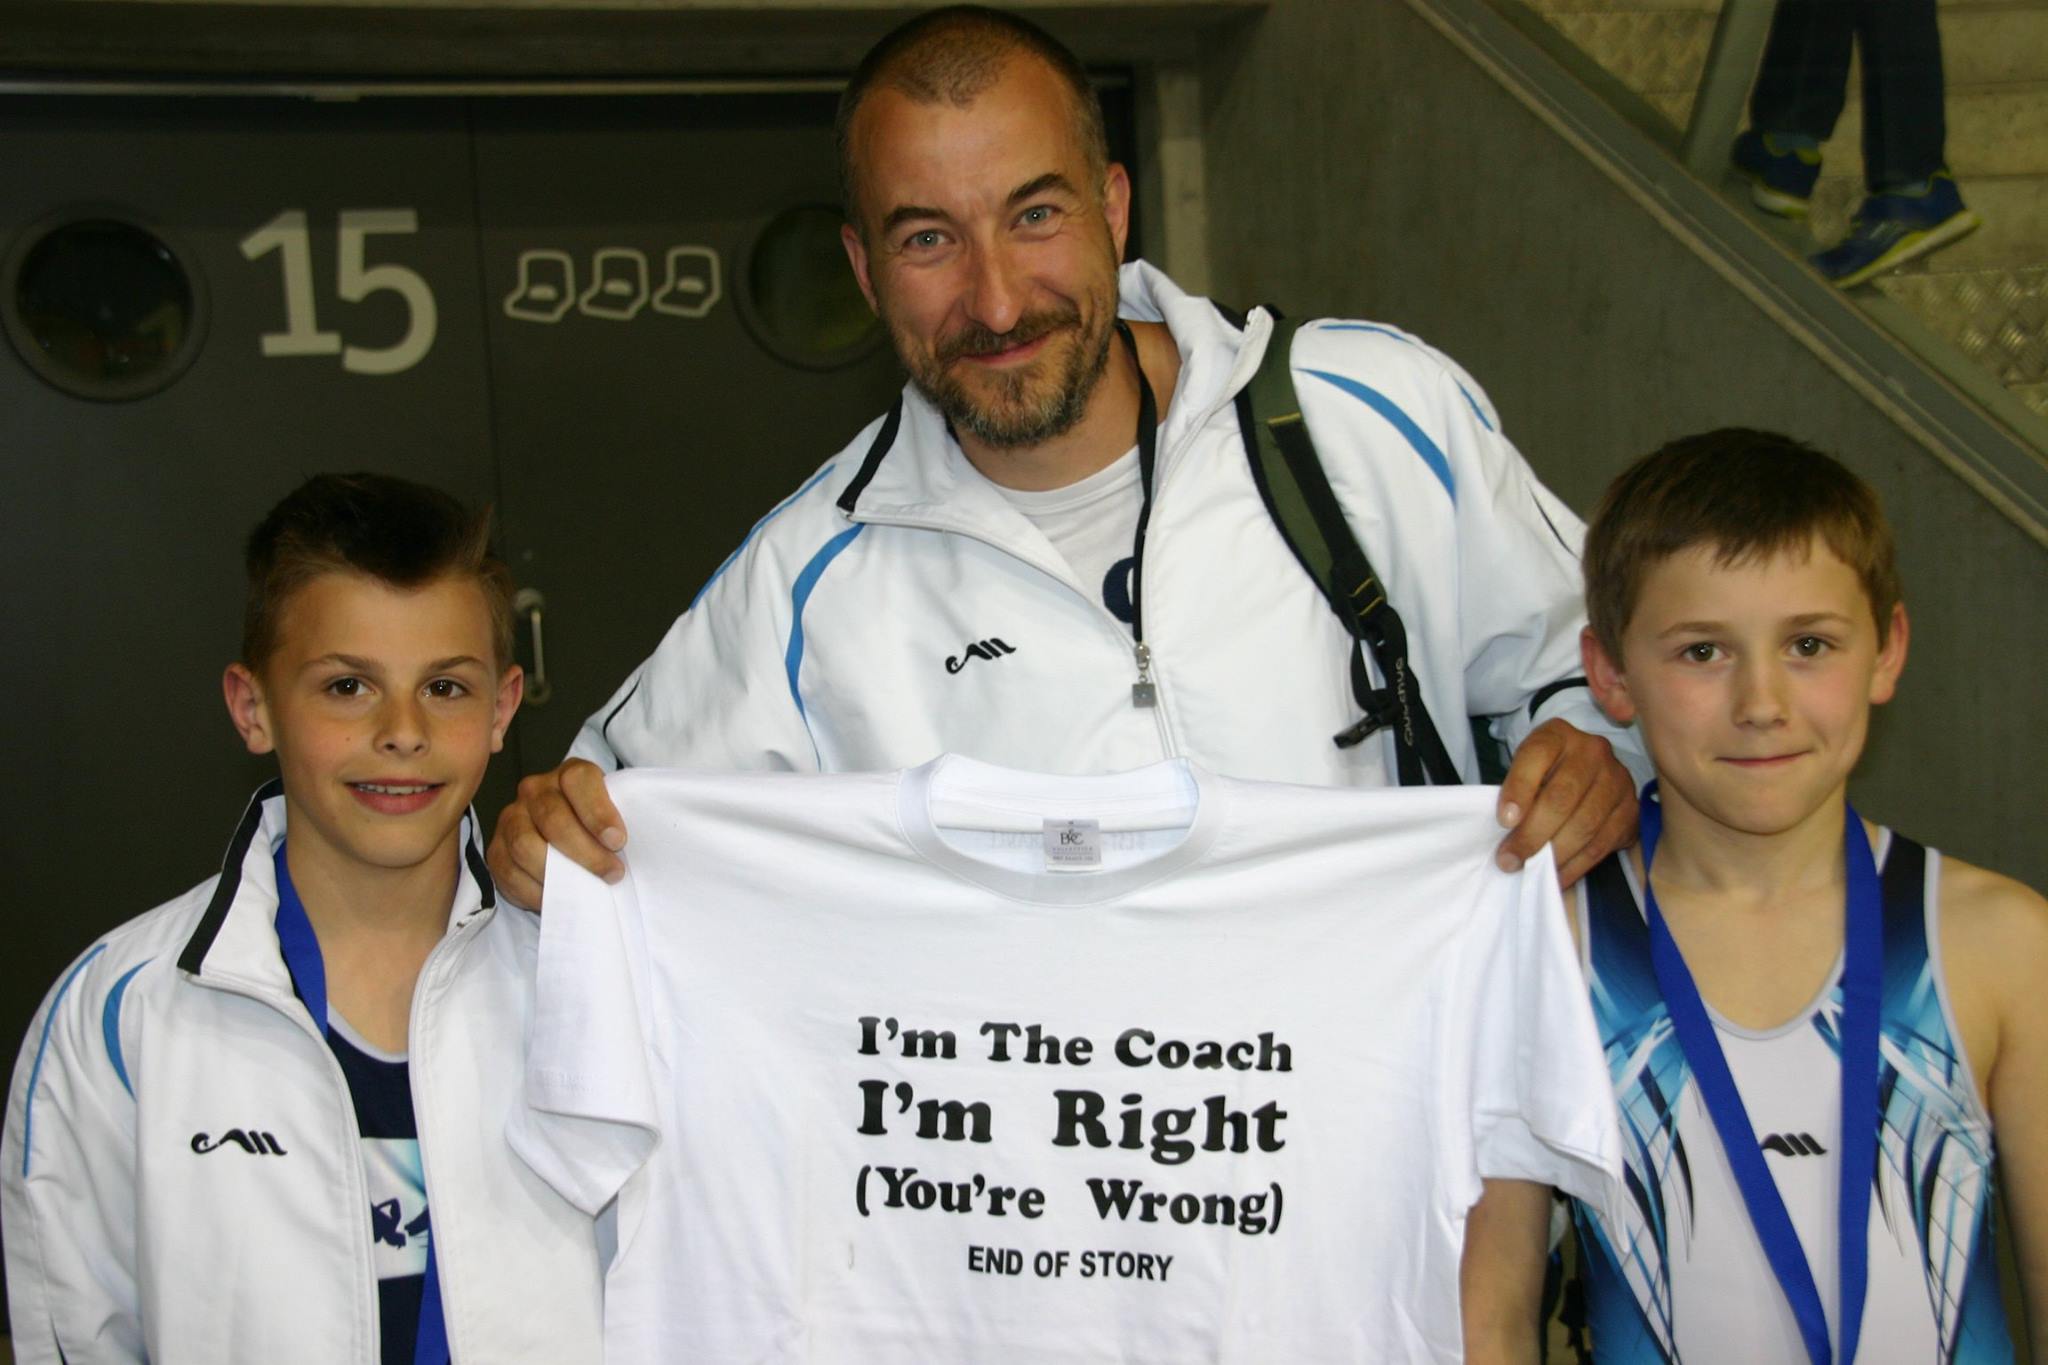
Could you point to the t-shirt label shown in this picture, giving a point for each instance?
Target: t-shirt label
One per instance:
(1073, 845)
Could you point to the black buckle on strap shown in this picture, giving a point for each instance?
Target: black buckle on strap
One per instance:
(1367, 598)
(1383, 708)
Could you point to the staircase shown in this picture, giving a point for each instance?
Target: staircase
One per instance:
(1986, 294)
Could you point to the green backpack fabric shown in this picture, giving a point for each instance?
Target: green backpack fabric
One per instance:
(1298, 497)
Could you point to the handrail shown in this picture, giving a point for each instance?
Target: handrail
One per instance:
(1951, 408)
(1732, 60)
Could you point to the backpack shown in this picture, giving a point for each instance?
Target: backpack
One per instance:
(1304, 509)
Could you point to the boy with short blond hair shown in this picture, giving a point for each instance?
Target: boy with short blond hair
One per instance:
(1791, 998)
(263, 1122)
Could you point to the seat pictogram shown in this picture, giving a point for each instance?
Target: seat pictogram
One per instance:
(691, 287)
(619, 290)
(547, 286)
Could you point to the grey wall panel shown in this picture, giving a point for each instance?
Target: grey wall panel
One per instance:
(1358, 163)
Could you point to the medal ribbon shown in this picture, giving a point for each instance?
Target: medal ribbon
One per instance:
(1862, 992)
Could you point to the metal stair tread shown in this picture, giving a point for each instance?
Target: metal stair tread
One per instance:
(1661, 50)
(1999, 318)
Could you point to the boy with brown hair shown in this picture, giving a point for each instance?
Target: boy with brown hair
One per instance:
(1815, 1025)
(264, 1121)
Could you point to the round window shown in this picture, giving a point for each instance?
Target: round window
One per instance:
(799, 297)
(100, 307)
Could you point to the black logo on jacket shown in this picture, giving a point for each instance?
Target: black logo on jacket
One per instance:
(254, 1141)
(991, 648)
(1793, 1144)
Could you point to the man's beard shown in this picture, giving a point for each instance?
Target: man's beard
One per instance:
(1013, 417)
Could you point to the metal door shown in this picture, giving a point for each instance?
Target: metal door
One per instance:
(676, 341)
(367, 285)
(120, 539)
(624, 321)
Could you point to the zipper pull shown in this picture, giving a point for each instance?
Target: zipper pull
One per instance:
(1143, 694)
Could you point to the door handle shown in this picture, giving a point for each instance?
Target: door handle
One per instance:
(529, 603)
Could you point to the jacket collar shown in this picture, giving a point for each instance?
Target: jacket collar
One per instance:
(925, 479)
(237, 935)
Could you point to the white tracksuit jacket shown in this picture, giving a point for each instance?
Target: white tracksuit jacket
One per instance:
(138, 1227)
(840, 641)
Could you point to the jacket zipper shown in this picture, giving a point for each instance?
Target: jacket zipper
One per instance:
(415, 1048)
(357, 1193)
(1145, 691)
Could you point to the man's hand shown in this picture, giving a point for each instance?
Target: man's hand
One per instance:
(567, 808)
(1566, 789)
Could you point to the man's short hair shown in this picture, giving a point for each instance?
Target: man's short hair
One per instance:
(401, 533)
(1748, 495)
(952, 55)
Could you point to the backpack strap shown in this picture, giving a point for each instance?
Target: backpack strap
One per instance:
(1298, 497)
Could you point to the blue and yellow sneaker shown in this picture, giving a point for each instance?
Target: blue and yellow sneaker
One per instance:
(1780, 176)
(1893, 228)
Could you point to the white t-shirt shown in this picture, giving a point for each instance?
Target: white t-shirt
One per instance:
(873, 1083)
(1093, 523)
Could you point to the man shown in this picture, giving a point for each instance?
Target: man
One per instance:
(992, 569)
(986, 228)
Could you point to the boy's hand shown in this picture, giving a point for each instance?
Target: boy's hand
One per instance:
(1565, 788)
(1500, 1274)
(566, 808)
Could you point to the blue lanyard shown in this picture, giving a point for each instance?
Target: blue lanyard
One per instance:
(301, 949)
(1862, 991)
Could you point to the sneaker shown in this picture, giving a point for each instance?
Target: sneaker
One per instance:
(1891, 229)
(1780, 177)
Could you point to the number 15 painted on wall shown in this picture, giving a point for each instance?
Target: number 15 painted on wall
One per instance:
(355, 282)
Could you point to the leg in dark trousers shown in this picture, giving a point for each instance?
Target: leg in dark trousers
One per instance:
(1805, 76)
(1903, 124)
(1913, 207)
